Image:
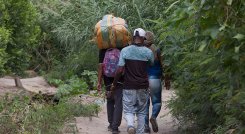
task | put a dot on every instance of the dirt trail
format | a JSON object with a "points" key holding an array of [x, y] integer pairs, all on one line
{"points": [[98, 125], [84, 125], [34, 85]]}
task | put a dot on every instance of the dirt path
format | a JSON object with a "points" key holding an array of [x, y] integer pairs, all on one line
{"points": [[98, 125], [35, 84], [84, 125]]}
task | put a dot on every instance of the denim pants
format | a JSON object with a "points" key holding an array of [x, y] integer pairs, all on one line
{"points": [[155, 88], [134, 103]]}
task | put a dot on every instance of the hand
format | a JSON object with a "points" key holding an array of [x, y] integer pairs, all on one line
{"points": [[99, 88], [112, 87]]}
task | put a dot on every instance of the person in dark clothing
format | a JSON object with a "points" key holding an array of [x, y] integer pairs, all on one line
{"points": [[114, 101]]}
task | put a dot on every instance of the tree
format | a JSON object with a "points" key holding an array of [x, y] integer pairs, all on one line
{"points": [[4, 38], [19, 31]]}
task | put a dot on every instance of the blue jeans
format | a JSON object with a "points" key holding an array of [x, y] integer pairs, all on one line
{"points": [[155, 87], [134, 103]]}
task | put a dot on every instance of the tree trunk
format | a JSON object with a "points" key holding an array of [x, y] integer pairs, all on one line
{"points": [[18, 82]]}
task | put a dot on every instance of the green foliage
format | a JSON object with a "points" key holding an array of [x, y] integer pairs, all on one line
{"points": [[55, 82], [70, 30], [70, 24], [18, 18], [72, 86], [4, 39], [91, 78], [22, 115], [202, 41], [204, 45]]}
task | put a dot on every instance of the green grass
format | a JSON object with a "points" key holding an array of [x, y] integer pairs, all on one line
{"points": [[19, 114]]}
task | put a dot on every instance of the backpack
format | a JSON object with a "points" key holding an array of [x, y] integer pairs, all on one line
{"points": [[110, 62]]}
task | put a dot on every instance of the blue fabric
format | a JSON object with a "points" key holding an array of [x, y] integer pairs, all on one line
{"points": [[154, 77], [134, 52], [156, 69], [134, 103], [155, 87]]}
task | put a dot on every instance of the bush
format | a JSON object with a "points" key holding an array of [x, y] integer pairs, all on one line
{"points": [[204, 43], [20, 114], [91, 78], [69, 87]]}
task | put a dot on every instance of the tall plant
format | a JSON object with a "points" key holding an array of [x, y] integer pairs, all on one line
{"points": [[70, 25], [204, 42]]}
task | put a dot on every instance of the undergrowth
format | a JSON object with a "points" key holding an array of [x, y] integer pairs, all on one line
{"points": [[73, 85], [21, 114]]}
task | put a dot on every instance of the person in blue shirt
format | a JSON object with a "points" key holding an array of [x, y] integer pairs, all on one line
{"points": [[155, 76]]}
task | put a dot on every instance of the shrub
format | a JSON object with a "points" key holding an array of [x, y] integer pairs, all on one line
{"points": [[204, 43], [20, 114]]}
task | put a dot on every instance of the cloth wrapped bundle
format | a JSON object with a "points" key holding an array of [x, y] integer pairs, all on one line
{"points": [[112, 32]]}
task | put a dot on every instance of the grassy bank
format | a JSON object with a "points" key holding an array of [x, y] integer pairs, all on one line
{"points": [[23, 114]]}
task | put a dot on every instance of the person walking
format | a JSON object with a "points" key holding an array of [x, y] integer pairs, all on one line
{"points": [[155, 76], [134, 61], [114, 101]]}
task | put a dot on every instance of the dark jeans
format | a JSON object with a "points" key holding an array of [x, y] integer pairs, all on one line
{"points": [[114, 107]]}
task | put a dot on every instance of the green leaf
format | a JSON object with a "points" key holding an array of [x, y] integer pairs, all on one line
{"points": [[154, 21], [237, 49], [203, 2], [239, 37], [171, 6], [222, 27], [212, 32], [229, 2], [203, 45], [206, 61]]}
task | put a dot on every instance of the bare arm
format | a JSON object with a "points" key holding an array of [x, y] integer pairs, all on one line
{"points": [[100, 73], [117, 77], [161, 58], [166, 78]]}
